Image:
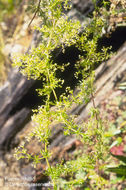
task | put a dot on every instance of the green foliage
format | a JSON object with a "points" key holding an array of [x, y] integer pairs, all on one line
{"points": [[118, 146], [58, 31], [120, 170]]}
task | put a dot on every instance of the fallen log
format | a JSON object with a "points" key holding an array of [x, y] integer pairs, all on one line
{"points": [[12, 93], [12, 127]]}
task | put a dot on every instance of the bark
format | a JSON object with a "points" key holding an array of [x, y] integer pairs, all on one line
{"points": [[12, 127], [12, 93]]}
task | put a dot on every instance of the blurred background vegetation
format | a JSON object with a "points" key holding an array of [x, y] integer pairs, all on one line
{"points": [[13, 15], [7, 10]]}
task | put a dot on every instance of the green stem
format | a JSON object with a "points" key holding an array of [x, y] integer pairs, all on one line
{"points": [[48, 164]]}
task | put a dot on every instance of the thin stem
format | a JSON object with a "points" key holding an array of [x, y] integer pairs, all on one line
{"points": [[50, 37], [52, 87], [93, 101], [48, 164], [55, 94], [35, 13]]}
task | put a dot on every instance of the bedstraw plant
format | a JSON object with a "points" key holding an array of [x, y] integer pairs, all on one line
{"points": [[58, 32]]}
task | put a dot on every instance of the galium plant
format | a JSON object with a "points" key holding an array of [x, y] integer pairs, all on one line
{"points": [[58, 31]]}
